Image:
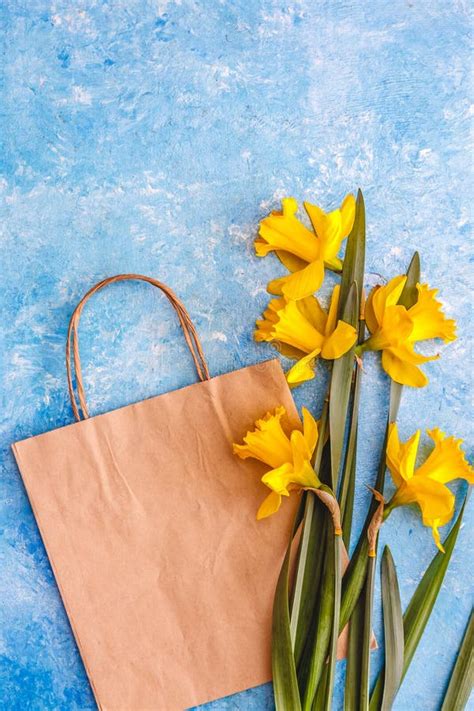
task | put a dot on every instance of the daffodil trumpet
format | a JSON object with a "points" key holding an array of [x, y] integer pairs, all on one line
{"points": [[303, 330], [303, 251], [395, 330], [290, 457], [425, 485]]}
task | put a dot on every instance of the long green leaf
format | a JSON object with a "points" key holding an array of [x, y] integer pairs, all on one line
{"points": [[323, 698], [462, 678], [354, 264], [349, 493], [329, 686], [310, 558], [354, 576], [393, 630], [340, 389], [354, 257], [285, 683], [409, 295], [318, 633], [352, 274], [319, 645], [354, 658], [367, 635], [320, 700], [304, 663], [347, 485], [419, 609]]}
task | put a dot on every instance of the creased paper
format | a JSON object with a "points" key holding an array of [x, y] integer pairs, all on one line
{"points": [[149, 522]]}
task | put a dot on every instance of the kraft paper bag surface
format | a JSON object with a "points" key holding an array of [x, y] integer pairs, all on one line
{"points": [[149, 522]]}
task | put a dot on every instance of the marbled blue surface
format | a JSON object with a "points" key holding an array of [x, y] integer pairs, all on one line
{"points": [[151, 136]]}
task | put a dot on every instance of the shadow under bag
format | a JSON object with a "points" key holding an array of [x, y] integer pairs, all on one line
{"points": [[149, 523]]}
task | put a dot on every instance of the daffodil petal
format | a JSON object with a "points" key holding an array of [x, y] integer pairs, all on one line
{"points": [[304, 282], [328, 229], [397, 323], [300, 449], [333, 227], [310, 430], [401, 457], [275, 286], [402, 372], [339, 342], [428, 317], [289, 351], [387, 295], [313, 312], [305, 477], [446, 461], [408, 452], [279, 478], [393, 454], [348, 208], [291, 261], [435, 500], [332, 313], [369, 315], [406, 353], [269, 506], [396, 327], [334, 263], [303, 370], [285, 322], [437, 538], [284, 232], [267, 442]]}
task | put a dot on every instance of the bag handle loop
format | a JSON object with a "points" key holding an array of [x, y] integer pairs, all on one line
{"points": [[187, 325]]}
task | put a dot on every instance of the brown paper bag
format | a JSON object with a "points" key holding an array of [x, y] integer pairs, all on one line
{"points": [[149, 523]]}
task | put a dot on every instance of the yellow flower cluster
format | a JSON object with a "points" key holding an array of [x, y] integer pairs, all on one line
{"points": [[300, 328], [296, 323]]}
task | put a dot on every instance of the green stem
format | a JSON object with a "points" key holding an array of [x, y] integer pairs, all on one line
{"points": [[462, 677], [335, 621], [323, 631], [354, 577], [420, 607], [285, 682], [353, 668], [308, 571], [367, 635], [347, 486], [302, 558]]}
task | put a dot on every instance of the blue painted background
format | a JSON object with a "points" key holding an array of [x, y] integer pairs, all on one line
{"points": [[152, 137]]}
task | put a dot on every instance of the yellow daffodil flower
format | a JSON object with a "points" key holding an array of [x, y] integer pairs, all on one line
{"points": [[426, 484], [302, 251], [303, 330], [395, 329], [289, 456]]}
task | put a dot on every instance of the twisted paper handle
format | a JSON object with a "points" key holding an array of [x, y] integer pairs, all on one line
{"points": [[187, 325]]}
